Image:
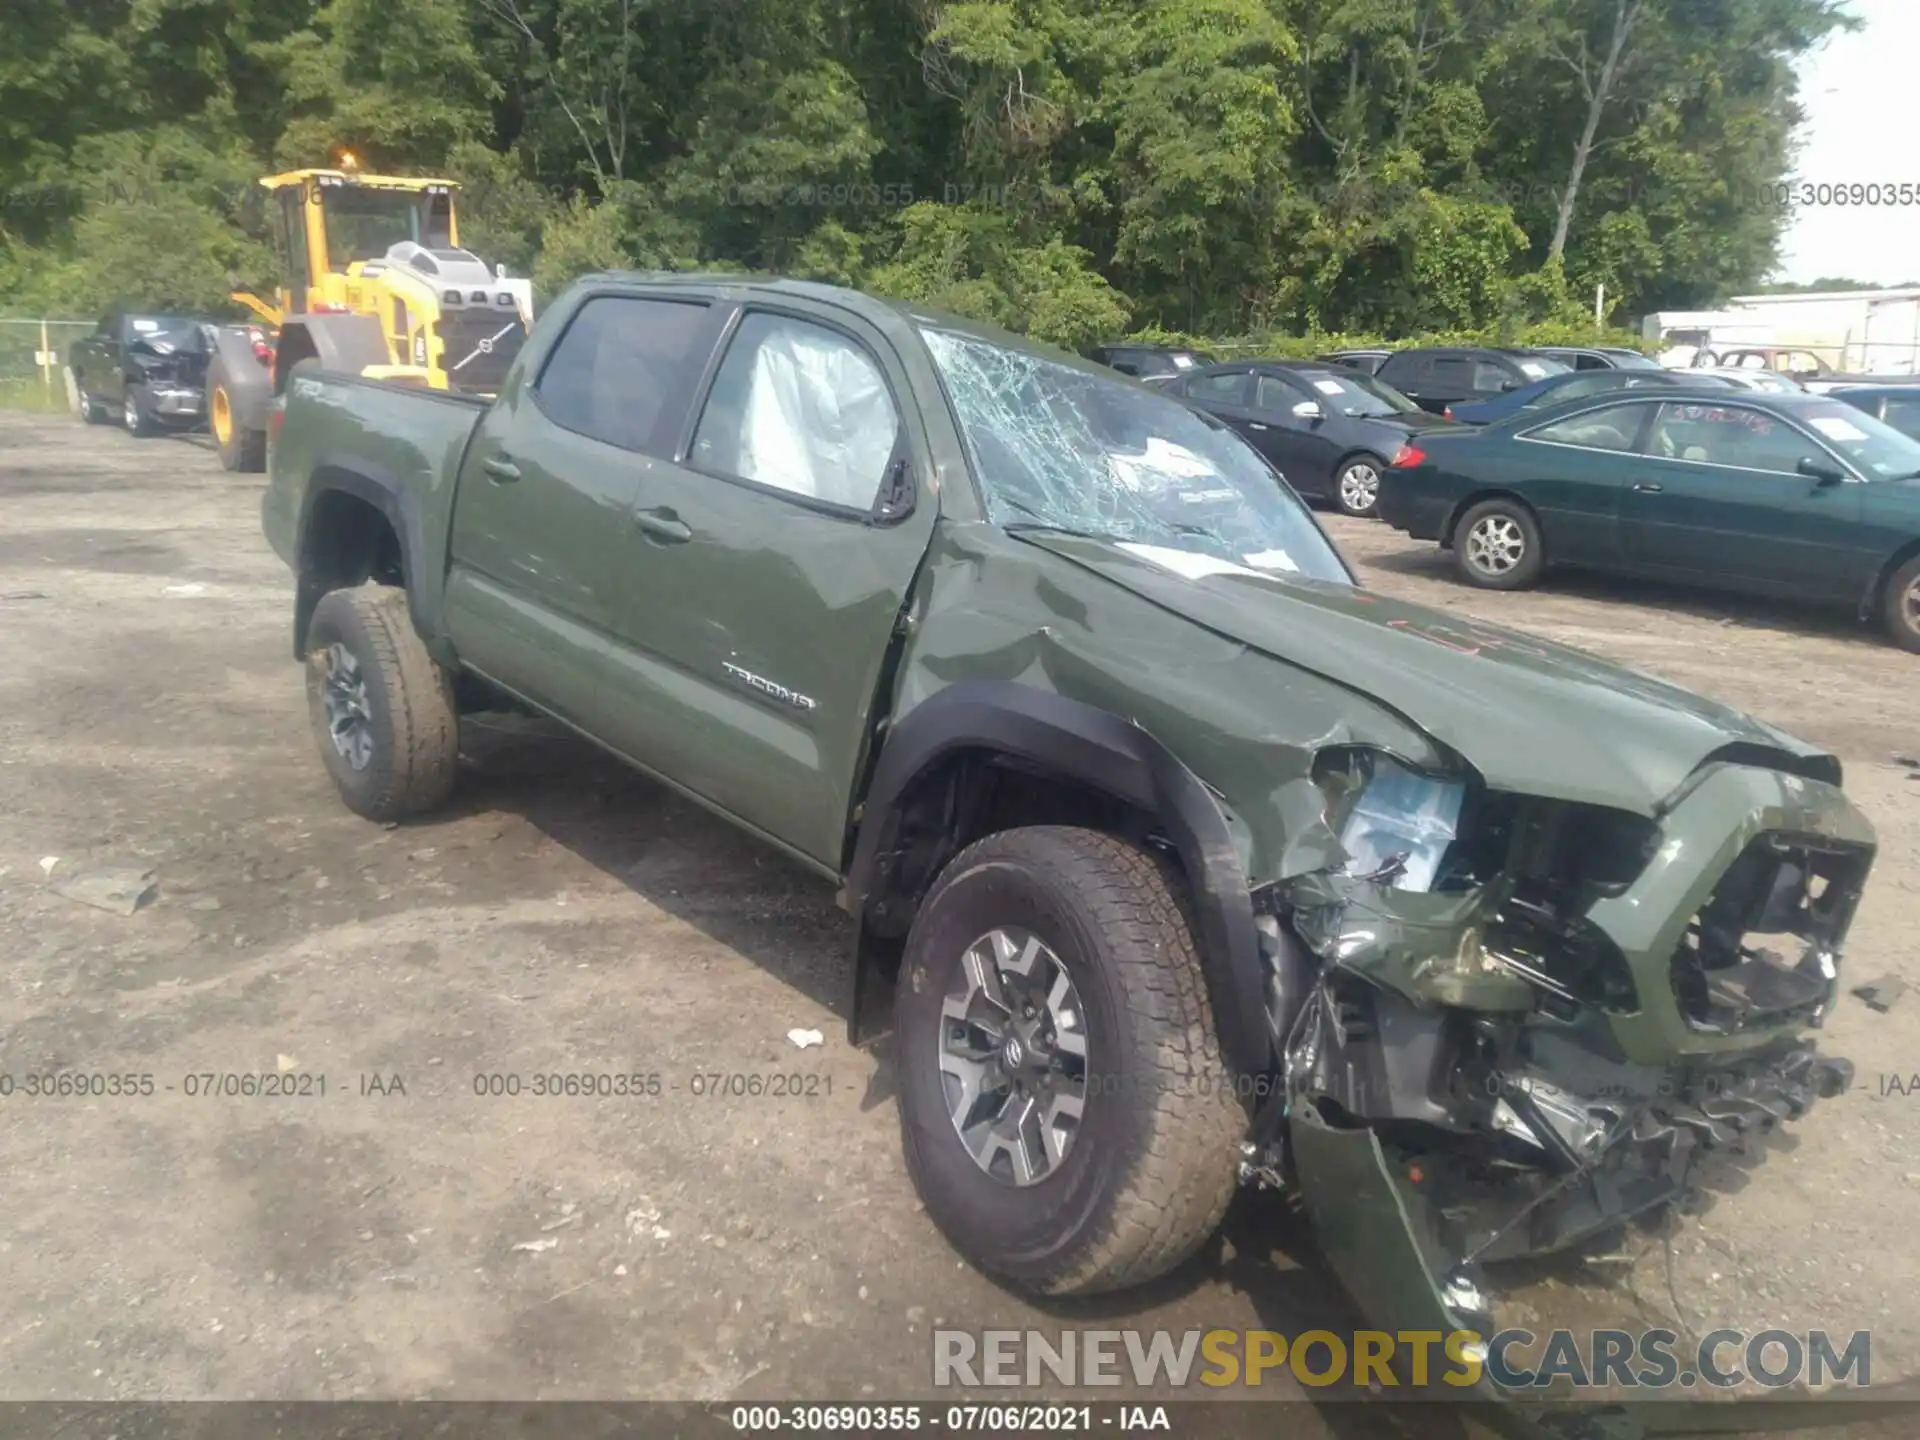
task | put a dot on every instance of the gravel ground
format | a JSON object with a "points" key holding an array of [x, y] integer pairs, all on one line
{"points": [[404, 1236]]}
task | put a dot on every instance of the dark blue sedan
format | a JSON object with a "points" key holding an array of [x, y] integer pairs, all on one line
{"points": [[1559, 389]]}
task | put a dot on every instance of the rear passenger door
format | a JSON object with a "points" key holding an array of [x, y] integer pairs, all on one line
{"points": [[763, 570], [539, 543]]}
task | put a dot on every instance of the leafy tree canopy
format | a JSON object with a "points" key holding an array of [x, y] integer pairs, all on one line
{"points": [[1313, 168]]}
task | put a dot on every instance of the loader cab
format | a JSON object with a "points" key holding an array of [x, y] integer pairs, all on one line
{"points": [[327, 222]]}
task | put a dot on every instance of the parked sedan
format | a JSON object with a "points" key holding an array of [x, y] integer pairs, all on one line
{"points": [[1150, 364], [1745, 377], [1328, 429], [1599, 357], [1560, 389], [148, 371], [1897, 405], [1369, 361], [1794, 495], [1438, 376]]}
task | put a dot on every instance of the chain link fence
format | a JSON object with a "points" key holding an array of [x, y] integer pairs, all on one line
{"points": [[33, 361]]}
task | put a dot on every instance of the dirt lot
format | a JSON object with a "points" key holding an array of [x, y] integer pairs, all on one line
{"points": [[403, 1236]]}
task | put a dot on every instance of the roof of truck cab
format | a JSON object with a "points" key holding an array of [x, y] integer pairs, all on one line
{"points": [[874, 308]]}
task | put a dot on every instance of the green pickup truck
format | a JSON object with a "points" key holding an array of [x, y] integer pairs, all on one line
{"points": [[1175, 859]]}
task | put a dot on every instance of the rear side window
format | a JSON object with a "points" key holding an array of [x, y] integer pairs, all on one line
{"points": [[1613, 427], [620, 361], [1227, 388]]}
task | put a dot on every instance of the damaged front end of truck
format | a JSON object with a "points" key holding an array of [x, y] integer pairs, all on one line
{"points": [[1510, 1024]]}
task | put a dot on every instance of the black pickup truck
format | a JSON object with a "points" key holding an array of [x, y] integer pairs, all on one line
{"points": [[1175, 859], [147, 371]]}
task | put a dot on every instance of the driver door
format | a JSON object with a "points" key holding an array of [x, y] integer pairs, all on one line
{"points": [[1299, 444], [1717, 492]]}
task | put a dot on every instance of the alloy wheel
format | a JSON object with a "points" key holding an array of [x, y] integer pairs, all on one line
{"points": [[1910, 607], [130, 413], [1359, 487], [1495, 545], [349, 714], [1013, 1056]]}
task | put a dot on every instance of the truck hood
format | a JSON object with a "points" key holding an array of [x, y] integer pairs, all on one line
{"points": [[1530, 716]]}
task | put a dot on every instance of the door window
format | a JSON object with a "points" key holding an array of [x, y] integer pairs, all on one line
{"points": [[1488, 376], [1613, 427], [1449, 374], [611, 373], [1731, 435], [800, 408], [1904, 415], [1226, 388], [1270, 392]]}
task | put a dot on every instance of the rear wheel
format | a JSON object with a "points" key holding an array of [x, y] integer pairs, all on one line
{"points": [[239, 449], [382, 708], [1356, 488], [90, 410], [1497, 546], [1065, 1112], [1900, 607]]}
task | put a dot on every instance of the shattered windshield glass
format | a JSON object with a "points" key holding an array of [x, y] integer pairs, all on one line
{"points": [[1060, 449]]}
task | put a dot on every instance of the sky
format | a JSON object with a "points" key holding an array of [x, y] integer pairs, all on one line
{"points": [[1856, 90]]}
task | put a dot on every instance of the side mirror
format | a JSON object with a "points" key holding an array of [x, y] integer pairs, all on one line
{"points": [[1821, 471], [1506, 385], [1309, 410]]}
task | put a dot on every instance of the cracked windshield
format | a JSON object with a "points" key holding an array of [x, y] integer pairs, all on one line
{"points": [[1058, 449]]}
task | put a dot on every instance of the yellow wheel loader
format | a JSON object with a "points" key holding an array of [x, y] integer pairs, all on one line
{"points": [[374, 283]]}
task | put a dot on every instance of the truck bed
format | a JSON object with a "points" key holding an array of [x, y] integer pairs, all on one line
{"points": [[410, 437]]}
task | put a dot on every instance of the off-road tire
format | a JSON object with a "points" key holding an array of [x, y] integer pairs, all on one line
{"points": [[1899, 616], [239, 449], [1153, 1165], [1524, 572], [414, 725]]}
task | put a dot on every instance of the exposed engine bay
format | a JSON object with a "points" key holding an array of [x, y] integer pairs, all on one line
{"points": [[1536, 1017]]}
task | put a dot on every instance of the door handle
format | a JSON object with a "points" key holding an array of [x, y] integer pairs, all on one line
{"points": [[1255, 425], [663, 525], [500, 469], [1648, 487]]}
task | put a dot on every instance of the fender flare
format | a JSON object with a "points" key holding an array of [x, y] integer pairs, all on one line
{"points": [[1100, 749], [382, 490]]}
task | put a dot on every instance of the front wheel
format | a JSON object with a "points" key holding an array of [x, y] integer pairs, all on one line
{"points": [[1900, 607], [382, 708], [239, 449], [1497, 546], [1356, 489], [134, 415], [1065, 1112]]}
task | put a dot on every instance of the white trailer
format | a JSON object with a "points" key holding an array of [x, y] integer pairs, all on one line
{"points": [[1872, 332]]}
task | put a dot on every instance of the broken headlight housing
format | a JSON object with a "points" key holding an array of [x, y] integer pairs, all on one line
{"points": [[1398, 825]]}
